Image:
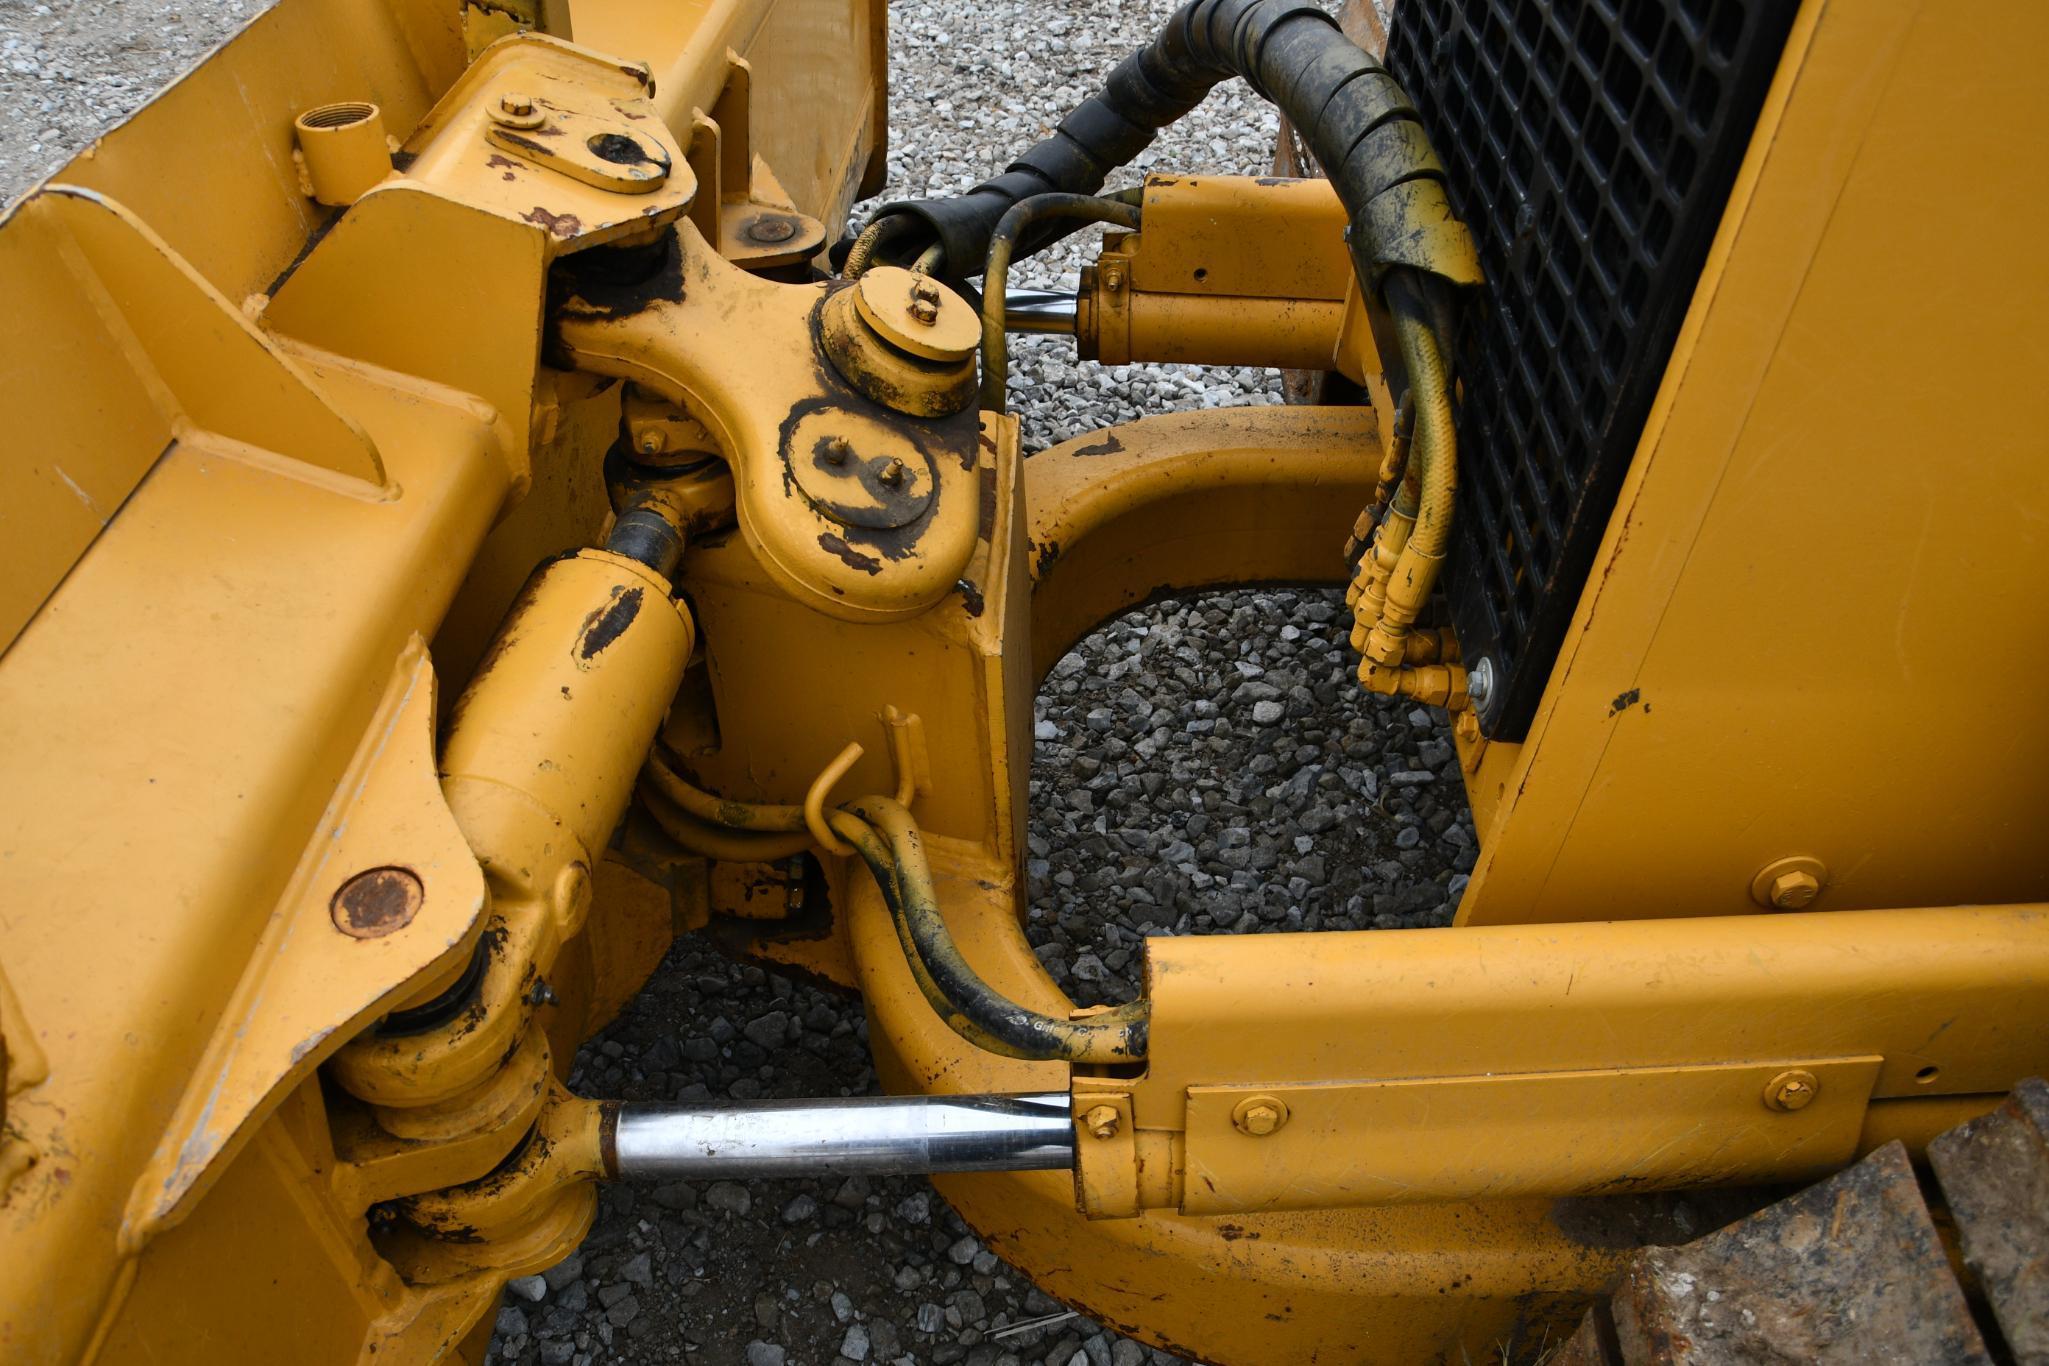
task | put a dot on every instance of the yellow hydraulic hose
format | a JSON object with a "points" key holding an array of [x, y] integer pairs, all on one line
{"points": [[1010, 229], [716, 841], [764, 817], [1435, 451]]}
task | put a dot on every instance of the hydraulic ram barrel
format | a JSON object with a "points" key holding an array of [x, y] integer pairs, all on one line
{"points": [[862, 1136]]}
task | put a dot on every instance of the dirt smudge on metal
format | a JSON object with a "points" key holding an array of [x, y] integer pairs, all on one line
{"points": [[607, 623], [1109, 445], [847, 555]]}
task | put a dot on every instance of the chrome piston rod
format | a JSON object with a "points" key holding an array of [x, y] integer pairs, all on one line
{"points": [[1039, 310], [861, 1136]]}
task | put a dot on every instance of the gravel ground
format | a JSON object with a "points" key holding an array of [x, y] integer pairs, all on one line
{"points": [[1206, 766], [71, 69]]}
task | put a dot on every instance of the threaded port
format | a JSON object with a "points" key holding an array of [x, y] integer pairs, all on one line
{"points": [[340, 115]]}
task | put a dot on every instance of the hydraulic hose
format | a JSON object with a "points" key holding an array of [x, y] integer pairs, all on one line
{"points": [[763, 817], [1117, 1035], [1019, 218], [717, 841], [1359, 123], [1367, 594], [1435, 453], [876, 236], [885, 837]]}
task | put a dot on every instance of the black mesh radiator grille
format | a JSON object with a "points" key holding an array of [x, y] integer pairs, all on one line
{"points": [[1590, 145]]}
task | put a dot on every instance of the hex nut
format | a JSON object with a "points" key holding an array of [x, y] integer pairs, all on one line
{"points": [[924, 304], [1258, 1116], [516, 109], [1794, 890], [1791, 1090], [1792, 883], [1102, 1121]]}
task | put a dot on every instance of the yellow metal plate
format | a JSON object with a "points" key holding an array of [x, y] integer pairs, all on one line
{"points": [[1551, 1133], [343, 943]]}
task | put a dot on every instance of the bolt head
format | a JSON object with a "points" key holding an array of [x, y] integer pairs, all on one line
{"points": [[652, 441], [1794, 890], [1789, 1091], [838, 451], [1480, 683], [893, 473], [516, 104], [770, 230], [924, 304], [1259, 1116], [1102, 1121]]}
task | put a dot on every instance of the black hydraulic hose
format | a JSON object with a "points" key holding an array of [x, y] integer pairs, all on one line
{"points": [[968, 1004], [886, 838], [1361, 126]]}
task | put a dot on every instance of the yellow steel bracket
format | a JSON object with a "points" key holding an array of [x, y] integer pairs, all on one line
{"points": [[1597, 1131], [387, 892], [527, 135], [603, 151], [170, 359], [741, 208], [1372, 1068], [538, 150]]}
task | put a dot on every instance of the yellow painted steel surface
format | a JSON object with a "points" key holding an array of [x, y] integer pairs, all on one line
{"points": [[1230, 270], [1572, 1059], [1843, 480], [266, 452], [1390, 1284], [212, 581]]}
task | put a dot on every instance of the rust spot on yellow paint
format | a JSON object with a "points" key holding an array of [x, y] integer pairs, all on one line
{"points": [[373, 904]]}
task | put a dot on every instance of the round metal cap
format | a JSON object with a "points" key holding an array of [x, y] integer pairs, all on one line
{"points": [[916, 313]]}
